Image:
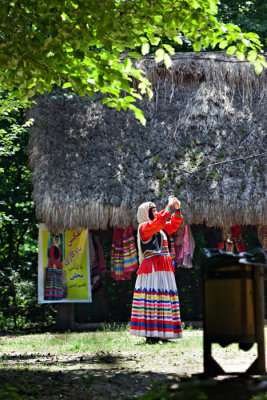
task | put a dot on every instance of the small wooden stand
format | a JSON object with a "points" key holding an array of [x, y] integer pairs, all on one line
{"points": [[246, 338]]}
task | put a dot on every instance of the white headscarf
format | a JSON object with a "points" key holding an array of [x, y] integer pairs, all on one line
{"points": [[142, 213], [142, 216]]}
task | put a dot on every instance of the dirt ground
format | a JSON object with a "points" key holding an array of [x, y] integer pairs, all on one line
{"points": [[127, 374]]}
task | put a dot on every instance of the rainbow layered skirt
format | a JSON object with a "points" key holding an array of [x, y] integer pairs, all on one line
{"points": [[156, 309]]}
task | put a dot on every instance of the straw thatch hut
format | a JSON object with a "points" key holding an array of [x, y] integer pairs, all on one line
{"points": [[204, 141]]}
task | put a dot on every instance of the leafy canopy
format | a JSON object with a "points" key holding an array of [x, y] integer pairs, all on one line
{"points": [[249, 15], [89, 45], [18, 225]]}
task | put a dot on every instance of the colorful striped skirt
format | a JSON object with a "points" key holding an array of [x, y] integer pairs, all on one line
{"points": [[53, 289], [156, 309]]}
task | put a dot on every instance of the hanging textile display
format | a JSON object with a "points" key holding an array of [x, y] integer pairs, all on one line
{"points": [[228, 245], [98, 264], [238, 239], [172, 251], [63, 266], [123, 254], [184, 246], [262, 236], [232, 240]]}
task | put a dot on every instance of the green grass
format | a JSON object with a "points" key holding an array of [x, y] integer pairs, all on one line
{"points": [[103, 361], [107, 340]]}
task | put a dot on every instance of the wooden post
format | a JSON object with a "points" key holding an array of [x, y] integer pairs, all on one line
{"points": [[65, 316], [258, 367], [211, 367]]}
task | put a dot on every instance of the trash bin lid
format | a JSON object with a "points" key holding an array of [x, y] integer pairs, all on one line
{"points": [[219, 258]]}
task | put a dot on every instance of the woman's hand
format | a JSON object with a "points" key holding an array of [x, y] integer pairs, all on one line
{"points": [[170, 199], [176, 203], [173, 201]]}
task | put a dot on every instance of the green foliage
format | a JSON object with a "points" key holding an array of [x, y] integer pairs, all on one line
{"points": [[251, 241], [159, 391], [115, 327], [8, 392], [176, 390], [249, 15], [88, 48], [88, 380], [261, 396], [213, 175], [18, 233]]}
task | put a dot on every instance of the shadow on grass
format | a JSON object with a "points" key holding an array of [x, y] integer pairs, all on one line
{"points": [[98, 358], [24, 384], [121, 384], [80, 384], [198, 387]]}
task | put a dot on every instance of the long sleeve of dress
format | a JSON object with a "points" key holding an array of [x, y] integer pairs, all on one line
{"points": [[148, 229], [173, 225]]}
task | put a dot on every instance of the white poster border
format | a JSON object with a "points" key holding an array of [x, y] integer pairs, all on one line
{"points": [[43, 227]]}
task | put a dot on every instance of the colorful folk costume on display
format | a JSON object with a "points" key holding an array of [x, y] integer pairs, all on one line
{"points": [[155, 309], [53, 289], [184, 246], [123, 254], [97, 261], [238, 238], [234, 243]]}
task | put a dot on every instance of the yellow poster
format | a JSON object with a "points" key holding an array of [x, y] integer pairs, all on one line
{"points": [[63, 266]]}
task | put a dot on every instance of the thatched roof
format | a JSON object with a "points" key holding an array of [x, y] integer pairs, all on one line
{"points": [[205, 141]]}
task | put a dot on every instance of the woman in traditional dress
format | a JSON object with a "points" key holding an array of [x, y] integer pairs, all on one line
{"points": [[54, 270], [155, 309]]}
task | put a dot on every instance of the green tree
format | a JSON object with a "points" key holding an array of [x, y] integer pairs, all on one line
{"points": [[18, 225], [249, 15], [88, 45]]}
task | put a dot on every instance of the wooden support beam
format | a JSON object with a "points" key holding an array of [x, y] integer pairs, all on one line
{"points": [[65, 316], [259, 364]]}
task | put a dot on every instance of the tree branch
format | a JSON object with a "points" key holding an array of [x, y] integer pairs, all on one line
{"points": [[237, 159]]}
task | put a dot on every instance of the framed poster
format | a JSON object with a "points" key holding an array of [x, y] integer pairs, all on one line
{"points": [[63, 267]]}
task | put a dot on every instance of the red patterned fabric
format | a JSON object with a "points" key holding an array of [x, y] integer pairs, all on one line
{"points": [[236, 232]]}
